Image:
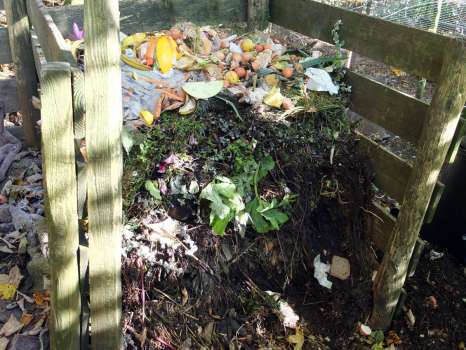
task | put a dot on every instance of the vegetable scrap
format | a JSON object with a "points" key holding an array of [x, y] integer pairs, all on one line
{"points": [[172, 69]]}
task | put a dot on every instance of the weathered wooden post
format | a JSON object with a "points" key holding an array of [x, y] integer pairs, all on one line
{"points": [[439, 128], [258, 14], [105, 167], [58, 154], [21, 53]]}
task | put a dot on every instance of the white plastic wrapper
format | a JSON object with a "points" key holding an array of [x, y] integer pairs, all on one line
{"points": [[287, 315], [141, 95], [320, 80], [234, 48], [320, 272]]}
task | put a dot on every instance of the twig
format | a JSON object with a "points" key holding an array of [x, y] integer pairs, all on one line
{"points": [[232, 106], [372, 213], [163, 342], [241, 254]]}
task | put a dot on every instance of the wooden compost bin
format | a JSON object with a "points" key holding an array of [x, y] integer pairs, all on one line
{"points": [[429, 127]]}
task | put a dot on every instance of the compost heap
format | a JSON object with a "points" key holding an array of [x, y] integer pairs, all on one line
{"points": [[241, 182]]}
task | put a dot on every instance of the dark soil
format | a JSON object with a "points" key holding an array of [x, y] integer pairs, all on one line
{"points": [[440, 324], [223, 291]]}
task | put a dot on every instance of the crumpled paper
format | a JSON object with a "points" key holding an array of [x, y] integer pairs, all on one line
{"points": [[320, 80], [286, 313], [320, 272]]}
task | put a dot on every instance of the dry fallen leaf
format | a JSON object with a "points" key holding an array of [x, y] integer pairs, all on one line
{"points": [[40, 297], [297, 339], [11, 326], [6, 250], [15, 276], [20, 303], [397, 72], [184, 296], [26, 319], [3, 343], [4, 278], [27, 298], [37, 327], [7, 291]]}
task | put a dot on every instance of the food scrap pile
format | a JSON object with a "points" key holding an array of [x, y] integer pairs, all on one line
{"points": [[240, 173], [171, 70]]}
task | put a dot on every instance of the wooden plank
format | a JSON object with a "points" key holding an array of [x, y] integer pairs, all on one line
{"points": [[52, 42], [391, 171], [39, 59], [26, 79], [104, 122], [395, 111], [8, 94], [413, 50], [149, 15], [381, 225], [460, 133], [441, 122], [434, 201], [61, 204], [5, 51]]}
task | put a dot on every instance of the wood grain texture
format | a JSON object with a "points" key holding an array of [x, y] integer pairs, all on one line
{"points": [[395, 111], [52, 42], [391, 176], [104, 122], [457, 139], [5, 51], [391, 171], [26, 80], [413, 50], [441, 122], [61, 205], [380, 226], [149, 15], [258, 14]]}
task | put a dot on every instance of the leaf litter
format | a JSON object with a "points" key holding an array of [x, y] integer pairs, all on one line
{"points": [[23, 248]]}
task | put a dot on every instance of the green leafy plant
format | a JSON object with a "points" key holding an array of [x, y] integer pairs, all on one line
{"points": [[227, 196], [338, 42], [226, 203], [376, 339], [153, 190], [265, 215]]}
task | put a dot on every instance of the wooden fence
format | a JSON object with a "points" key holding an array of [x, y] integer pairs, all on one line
{"points": [[66, 120]]}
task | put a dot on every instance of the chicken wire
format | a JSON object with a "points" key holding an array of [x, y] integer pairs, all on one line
{"points": [[446, 17]]}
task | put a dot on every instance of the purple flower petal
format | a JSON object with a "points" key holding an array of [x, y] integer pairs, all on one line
{"points": [[171, 159], [77, 33]]}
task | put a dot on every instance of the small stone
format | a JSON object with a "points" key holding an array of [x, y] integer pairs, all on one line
{"points": [[340, 268]]}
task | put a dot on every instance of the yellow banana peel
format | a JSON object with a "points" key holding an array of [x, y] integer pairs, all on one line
{"points": [[133, 40], [134, 64], [166, 53]]}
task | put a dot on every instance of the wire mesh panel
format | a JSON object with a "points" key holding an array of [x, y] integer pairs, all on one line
{"points": [[447, 17]]}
